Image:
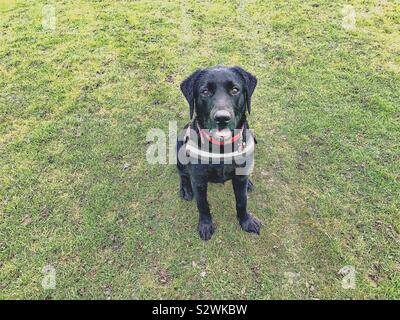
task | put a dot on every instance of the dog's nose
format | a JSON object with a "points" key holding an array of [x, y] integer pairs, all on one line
{"points": [[222, 116]]}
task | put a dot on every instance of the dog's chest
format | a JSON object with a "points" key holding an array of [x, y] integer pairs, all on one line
{"points": [[220, 173]]}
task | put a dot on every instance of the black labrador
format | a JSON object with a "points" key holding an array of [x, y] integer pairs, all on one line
{"points": [[219, 97]]}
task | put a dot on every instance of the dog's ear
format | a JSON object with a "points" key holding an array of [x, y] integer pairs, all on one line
{"points": [[187, 88], [250, 83]]}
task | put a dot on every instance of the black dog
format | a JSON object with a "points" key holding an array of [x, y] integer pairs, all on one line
{"points": [[218, 96]]}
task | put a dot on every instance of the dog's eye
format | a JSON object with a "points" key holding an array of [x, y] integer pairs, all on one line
{"points": [[205, 92], [235, 91]]}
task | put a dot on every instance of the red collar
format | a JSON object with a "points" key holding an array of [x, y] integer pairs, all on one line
{"points": [[204, 134]]}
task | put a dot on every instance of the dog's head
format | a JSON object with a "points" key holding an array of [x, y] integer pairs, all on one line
{"points": [[219, 96]]}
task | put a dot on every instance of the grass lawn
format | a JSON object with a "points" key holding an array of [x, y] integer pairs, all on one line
{"points": [[78, 97]]}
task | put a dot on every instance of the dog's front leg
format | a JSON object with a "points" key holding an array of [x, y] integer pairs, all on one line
{"points": [[247, 222], [205, 226]]}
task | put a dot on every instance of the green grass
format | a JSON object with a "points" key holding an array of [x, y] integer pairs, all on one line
{"points": [[77, 193]]}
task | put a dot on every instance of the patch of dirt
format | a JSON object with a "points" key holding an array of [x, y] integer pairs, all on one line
{"points": [[374, 274], [163, 277], [45, 212], [256, 270], [169, 79], [82, 291], [26, 220], [107, 290], [94, 271]]}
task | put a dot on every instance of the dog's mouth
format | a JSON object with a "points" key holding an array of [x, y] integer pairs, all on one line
{"points": [[221, 134]]}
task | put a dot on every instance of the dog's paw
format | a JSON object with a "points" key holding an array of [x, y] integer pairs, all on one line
{"points": [[186, 192], [249, 224], [250, 186], [206, 230]]}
